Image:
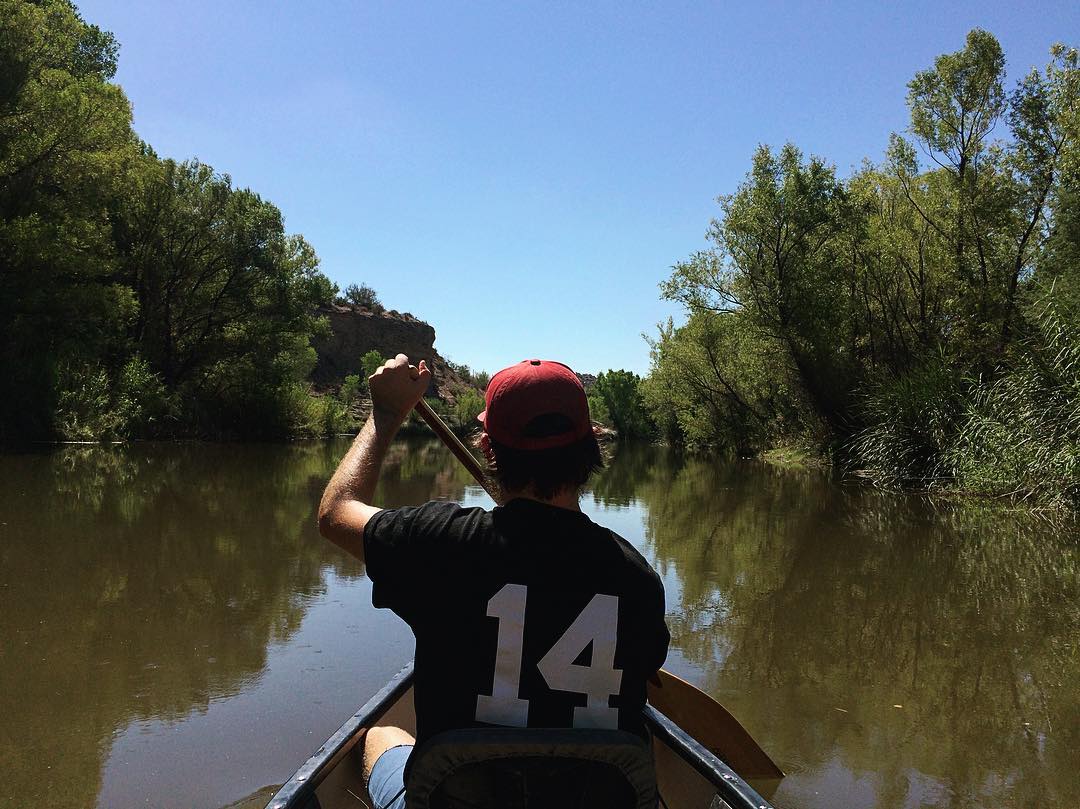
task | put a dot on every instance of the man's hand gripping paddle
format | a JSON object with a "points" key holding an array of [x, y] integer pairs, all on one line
{"points": [[709, 722]]}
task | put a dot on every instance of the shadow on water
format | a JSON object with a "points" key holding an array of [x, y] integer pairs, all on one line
{"points": [[146, 582]]}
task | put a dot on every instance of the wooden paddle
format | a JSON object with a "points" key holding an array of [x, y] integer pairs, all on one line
{"points": [[709, 722]]}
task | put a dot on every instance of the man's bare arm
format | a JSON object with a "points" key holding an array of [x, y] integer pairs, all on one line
{"points": [[346, 504]]}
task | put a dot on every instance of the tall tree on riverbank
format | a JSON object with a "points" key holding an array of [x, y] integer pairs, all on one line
{"points": [[65, 138], [137, 295], [225, 297], [1057, 266], [888, 301], [776, 261], [618, 395]]}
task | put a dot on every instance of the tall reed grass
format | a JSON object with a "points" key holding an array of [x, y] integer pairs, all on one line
{"points": [[1016, 436], [1020, 434]]}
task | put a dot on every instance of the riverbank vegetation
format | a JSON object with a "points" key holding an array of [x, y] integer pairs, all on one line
{"points": [[918, 321], [616, 401], [138, 295]]}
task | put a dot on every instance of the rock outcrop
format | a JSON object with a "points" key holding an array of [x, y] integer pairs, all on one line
{"points": [[354, 331]]}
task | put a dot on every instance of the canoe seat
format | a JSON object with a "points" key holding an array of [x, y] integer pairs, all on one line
{"points": [[532, 768]]}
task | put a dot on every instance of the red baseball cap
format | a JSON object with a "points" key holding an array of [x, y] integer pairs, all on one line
{"points": [[532, 388]]}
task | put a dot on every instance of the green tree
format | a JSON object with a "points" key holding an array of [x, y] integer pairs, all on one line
{"points": [[1057, 272], [468, 405], [226, 299], [775, 256], [987, 203], [717, 381], [620, 391], [365, 296], [350, 387], [886, 314], [371, 362], [136, 294], [65, 137]]}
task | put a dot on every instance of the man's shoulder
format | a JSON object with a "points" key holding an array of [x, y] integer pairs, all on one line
{"points": [[435, 525], [622, 563], [433, 514], [410, 543]]}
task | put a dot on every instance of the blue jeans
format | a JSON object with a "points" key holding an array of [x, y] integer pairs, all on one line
{"points": [[387, 784]]}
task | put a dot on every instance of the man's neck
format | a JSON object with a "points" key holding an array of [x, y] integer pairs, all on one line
{"points": [[565, 498]]}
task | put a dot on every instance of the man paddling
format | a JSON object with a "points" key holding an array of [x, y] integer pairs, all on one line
{"points": [[529, 615]]}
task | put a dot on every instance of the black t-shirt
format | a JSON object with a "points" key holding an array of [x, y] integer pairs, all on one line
{"points": [[528, 615]]}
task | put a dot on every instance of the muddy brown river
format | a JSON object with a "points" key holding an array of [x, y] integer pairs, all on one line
{"points": [[174, 632]]}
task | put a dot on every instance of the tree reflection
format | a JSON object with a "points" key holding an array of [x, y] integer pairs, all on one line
{"points": [[814, 608], [419, 469], [142, 583]]}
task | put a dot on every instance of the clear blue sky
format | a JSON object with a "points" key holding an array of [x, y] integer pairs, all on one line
{"points": [[523, 175]]}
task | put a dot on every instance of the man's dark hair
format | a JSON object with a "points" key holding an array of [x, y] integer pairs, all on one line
{"points": [[545, 472]]}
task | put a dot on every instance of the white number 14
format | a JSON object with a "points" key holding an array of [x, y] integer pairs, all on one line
{"points": [[597, 624]]}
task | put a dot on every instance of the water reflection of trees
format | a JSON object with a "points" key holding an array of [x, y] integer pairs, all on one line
{"points": [[419, 469], [146, 581], [142, 583], [799, 598]]}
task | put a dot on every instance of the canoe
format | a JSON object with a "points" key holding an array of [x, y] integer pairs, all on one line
{"points": [[688, 775]]}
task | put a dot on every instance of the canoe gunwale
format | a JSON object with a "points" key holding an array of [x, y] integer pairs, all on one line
{"points": [[311, 773], [730, 786], [735, 791]]}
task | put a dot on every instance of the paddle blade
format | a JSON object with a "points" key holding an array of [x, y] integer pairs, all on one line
{"points": [[713, 726]]}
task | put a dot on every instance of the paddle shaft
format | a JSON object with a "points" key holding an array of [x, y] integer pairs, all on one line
{"points": [[453, 443], [716, 728]]}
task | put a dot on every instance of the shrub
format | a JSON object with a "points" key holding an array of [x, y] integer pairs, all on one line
{"points": [[620, 393], [371, 362], [332, 414], [350, 387], [141, 398], [327, 415], [477, 379], [363, 295], [1020, 435], [91, 406], [911, 422], [467, 407], [83, 404], [438, 406]]}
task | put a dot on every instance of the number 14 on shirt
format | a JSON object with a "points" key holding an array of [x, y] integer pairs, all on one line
{"points": [[596, 624]]}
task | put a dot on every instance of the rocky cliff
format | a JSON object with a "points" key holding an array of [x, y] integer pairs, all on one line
{"points": [[354, 331]]}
